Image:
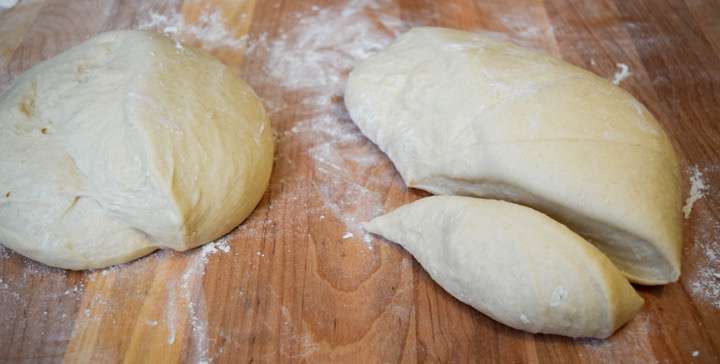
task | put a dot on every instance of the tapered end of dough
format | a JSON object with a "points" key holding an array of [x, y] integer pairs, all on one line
{"points": [[625, 301], [372, 226], [392, 227], [377, 225]]}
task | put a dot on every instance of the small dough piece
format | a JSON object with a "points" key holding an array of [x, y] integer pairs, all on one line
{"points": [[466, 114], [513, 264], [125, 144]]}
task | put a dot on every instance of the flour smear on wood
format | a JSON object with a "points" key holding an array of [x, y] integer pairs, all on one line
{"points": [[702, 279]]}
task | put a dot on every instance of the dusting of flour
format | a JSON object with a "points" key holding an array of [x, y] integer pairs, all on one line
{"points": [[209, 30], [56, 292], [634, 336], [312, 58], [705, 282], [697, 190], [190, 294], [702, 279]]}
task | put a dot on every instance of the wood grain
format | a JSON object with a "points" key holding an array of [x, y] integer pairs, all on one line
{"points": [[291, 288]]}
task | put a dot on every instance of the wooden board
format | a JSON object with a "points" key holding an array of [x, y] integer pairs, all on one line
{"points": [[299, 281]]}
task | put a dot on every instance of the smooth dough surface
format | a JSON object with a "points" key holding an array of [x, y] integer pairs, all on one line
{"points": [[513, 264], [125, 144], [463, 113]]}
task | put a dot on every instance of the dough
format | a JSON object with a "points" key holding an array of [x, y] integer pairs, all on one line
{"points": [[462, 113], [125, 144], [513, 264]]}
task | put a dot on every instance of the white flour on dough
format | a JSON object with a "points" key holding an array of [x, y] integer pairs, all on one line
{"points": [[622, 73]]}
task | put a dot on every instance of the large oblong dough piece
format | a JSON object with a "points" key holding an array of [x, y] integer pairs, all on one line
{"points": [[464, 113], [513, 264], [125, 144]]}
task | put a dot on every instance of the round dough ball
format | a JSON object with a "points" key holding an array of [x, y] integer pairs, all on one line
{"points": [[467, 114], [125, 144], [513, 264]]}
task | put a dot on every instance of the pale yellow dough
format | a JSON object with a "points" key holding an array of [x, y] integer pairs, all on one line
{"points": [[467, 114], [513, 264], [125, 144]]}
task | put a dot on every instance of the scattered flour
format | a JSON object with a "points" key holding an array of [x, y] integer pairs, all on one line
{"points": [[209, 29], [631, 344], [33, 290], [54, 290], [702, 278], [318, 51], [705, 279], [524, 24], [171, 313], [698, 187], [622, 73], [186, 298], [312, 58]]}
